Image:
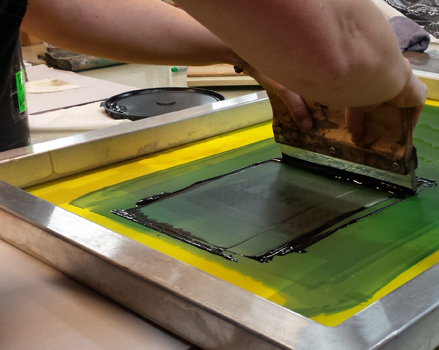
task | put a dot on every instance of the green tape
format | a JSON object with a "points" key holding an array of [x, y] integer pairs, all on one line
{"points": [[21, 90]]}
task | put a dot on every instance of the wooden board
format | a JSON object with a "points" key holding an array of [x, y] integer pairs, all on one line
{"points": [[216, 70], [217, 75]]}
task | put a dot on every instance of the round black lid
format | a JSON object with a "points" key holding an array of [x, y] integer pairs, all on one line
{"points": [[140, 104]]}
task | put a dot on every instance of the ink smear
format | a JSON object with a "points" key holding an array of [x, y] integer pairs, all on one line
{"points": [[258, 212]]}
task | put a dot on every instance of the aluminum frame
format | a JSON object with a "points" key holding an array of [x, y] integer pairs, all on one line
{"points": [[201, 308], [51, 160]]}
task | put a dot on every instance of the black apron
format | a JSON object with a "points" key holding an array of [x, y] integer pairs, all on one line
{"points": [[14, 127]]}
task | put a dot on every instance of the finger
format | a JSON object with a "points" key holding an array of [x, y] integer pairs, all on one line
{"points": [[416, 115], [355, 122], [297, 107], [413, 94], [421, 89]]}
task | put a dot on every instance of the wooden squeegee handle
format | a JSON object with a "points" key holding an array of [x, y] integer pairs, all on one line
{"points": [[387, 144]]}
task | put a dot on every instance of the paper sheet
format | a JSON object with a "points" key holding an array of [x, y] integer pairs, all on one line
{"points": [[79, 118], [91, 90], [49, 85]]}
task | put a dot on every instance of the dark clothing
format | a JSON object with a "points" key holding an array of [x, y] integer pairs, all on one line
{"points": [[14, 128], [411, 37], [11, 14]]}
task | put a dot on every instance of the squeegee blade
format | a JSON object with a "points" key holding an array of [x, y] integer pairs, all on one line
{"points": [[316, 160]]}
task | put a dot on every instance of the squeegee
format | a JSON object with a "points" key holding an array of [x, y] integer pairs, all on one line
{"points": [[385, 158]]}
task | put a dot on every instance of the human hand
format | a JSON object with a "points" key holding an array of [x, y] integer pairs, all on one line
{"points": [[296, 106], [412, 95]]}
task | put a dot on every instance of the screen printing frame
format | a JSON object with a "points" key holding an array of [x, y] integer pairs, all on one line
{"points": [[201, 308]]}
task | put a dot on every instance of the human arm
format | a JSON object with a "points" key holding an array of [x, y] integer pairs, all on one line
{"points": [[335, 51], [146, 31], [135, 31], [412, 95]]}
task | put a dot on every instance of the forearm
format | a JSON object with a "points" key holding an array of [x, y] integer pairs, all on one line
{"points": [[135, 31], [336, 51]]}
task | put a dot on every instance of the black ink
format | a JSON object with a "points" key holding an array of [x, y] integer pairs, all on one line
{"points": [[288, 208]]}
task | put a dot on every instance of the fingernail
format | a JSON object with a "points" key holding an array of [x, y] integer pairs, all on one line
{"points": [[306, 124]]}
